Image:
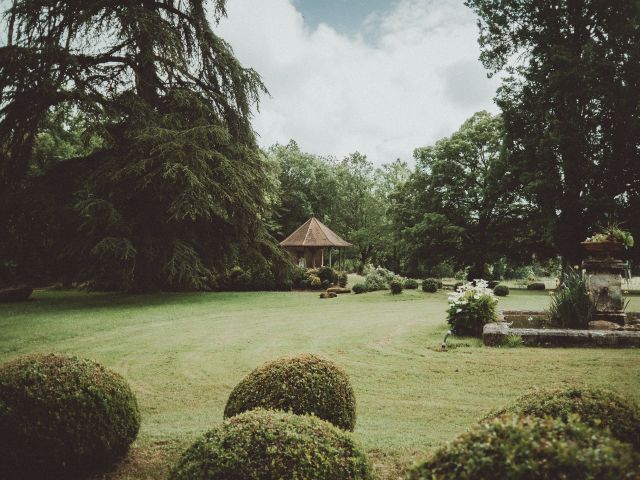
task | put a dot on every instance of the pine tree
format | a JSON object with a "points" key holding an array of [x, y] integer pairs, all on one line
{"points": [[176, 189]]}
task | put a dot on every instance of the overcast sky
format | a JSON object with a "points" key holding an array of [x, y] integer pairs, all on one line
{"points": [[378, 76]]}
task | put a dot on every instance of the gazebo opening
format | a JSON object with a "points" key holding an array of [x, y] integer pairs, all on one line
{"points": [[308, 243]]}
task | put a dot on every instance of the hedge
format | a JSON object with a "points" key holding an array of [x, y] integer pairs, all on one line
{"points": [[61, 415], [302, 384], [270, 445]]}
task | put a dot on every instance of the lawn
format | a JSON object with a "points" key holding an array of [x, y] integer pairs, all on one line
{"points": [[183, 353]]}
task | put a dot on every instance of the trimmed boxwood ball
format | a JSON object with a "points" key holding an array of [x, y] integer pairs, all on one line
{"points": [[270, 445], [359, 288], [501, 290], [516, 448], [302, 384], [430, 285], [596, 407], [61, 416], [395, 286], [410, 284]]}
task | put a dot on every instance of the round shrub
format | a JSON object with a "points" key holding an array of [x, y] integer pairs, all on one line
{"points": [[62, 415], [342, 279], [395, 286], [536, 286], [302, 384], [410, 284], [315, 282], [501, 290], [430, 285], [526, 448], [273, 445], [492, 283], [328, 274], [595, 407], [359, 288]]}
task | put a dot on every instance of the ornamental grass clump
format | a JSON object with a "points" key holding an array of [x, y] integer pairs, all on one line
{"points": [[270, 445], [302, 384], [598, 408], [471, 307], [62, 416], [571, 305], [524, 448]]}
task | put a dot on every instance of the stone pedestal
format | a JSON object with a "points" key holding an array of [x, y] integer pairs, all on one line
{"points": [[604, 284]]}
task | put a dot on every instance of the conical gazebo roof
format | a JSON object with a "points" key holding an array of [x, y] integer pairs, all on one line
{"points": [[314, 233]]}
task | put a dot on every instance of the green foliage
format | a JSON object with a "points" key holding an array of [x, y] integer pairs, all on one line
{"points": [[269, 445], [571, 305], [430, 285], [471, 308], [315, 278], [513, 341], [395, 286], [378, 278], [328, 274], [581, 68], [613, 233], [459, 207], [359, 288], [342, 279], [62, 415], [492, 283], [410, 284], [528, 447], [170, 189], [301, 384], [501, 290], [598, 408]]}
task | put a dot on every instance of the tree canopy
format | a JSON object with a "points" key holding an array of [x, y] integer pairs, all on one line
{"points": [[174, 187], [570, 101]]}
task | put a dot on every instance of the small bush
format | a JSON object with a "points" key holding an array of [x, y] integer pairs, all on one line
{"points": [[501, 290], [536, 286], [378, 278], [395, 286], [326, 284], [528, 448], [471, 308], [61, 415], [302, 384], [315, 282], [596, 407], [359, 288], [410, 284], [269, 445], [492, 284], [430, 285], [328, 274], [571, 306], [342, 279]]}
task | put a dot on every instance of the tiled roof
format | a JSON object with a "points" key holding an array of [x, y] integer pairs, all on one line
{"points": [[314, 233]]}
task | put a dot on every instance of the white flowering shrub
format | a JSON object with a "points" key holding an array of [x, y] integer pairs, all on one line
{"points": [[379, 278], [471, 307]]}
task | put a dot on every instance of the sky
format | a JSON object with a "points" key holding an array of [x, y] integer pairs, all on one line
{"points": [[374, 76]]}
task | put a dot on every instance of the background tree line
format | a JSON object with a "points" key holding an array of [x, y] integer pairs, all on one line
{"points": [[131, 164]]}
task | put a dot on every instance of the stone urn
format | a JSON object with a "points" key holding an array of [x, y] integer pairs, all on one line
{"points": [[603, 275], [604, 249]]}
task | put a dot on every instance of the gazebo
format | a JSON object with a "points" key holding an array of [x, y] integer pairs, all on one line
{"points": [[307, 244]]}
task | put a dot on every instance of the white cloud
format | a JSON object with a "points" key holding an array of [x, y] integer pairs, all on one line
{"points": [[414, 79]]}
